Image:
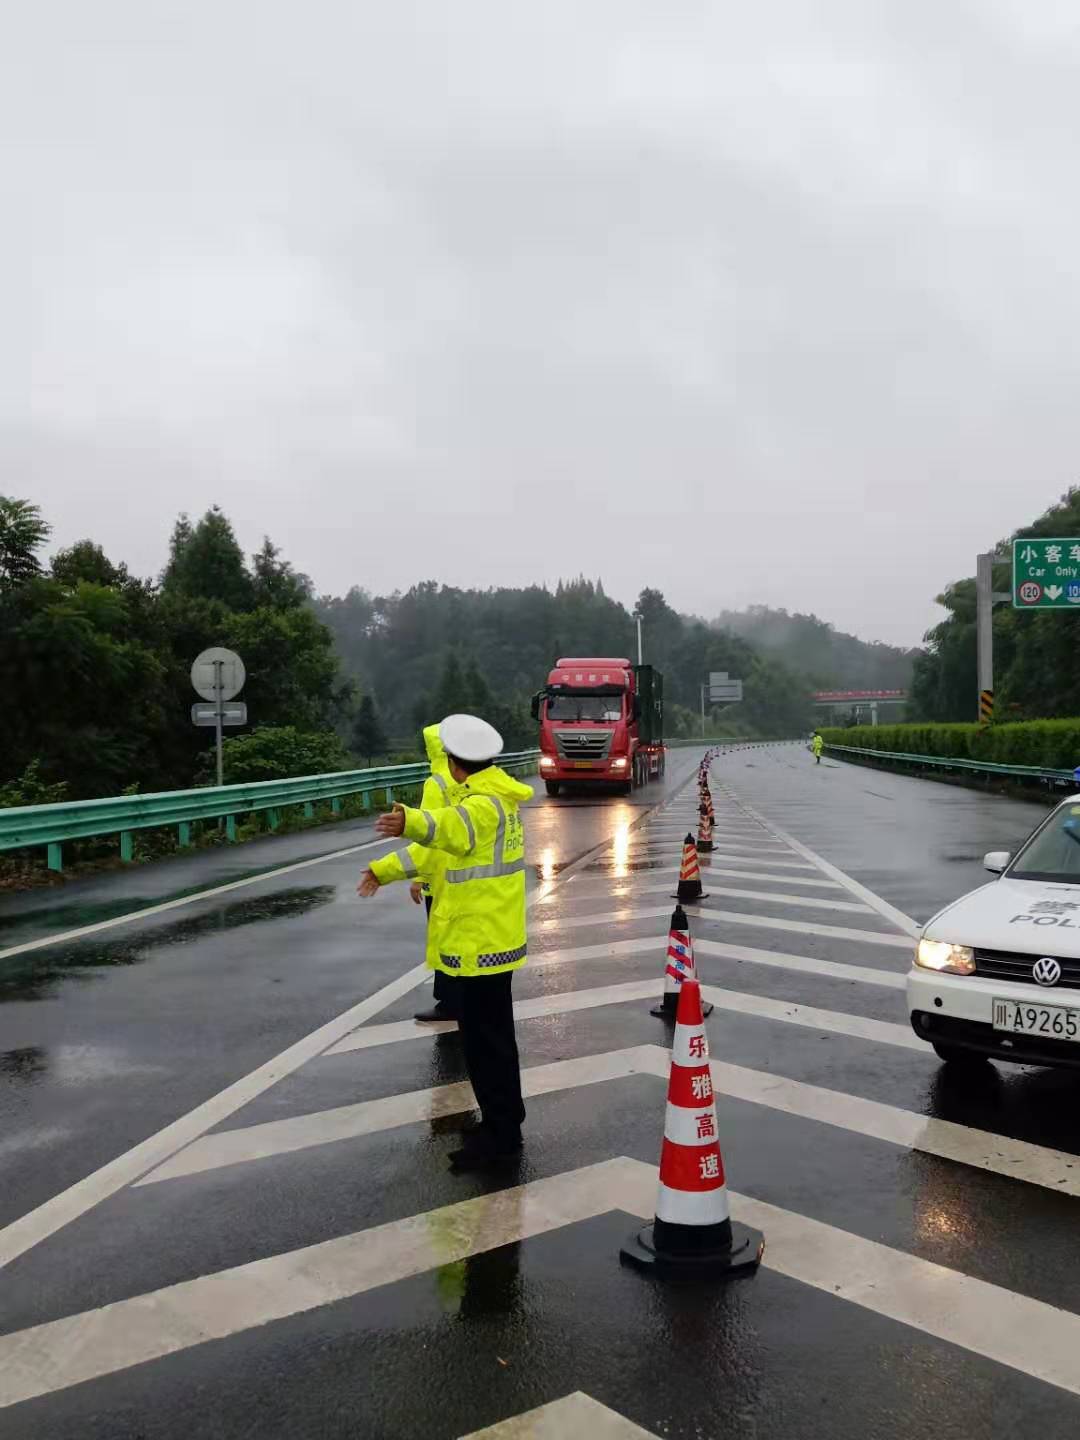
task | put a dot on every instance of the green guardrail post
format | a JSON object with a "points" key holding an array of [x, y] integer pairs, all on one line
{"points": [[127, 846], [389, 794], [309, 810], [272, 819], [335, 804], [56, 857], [184, 834], [230, 829]]}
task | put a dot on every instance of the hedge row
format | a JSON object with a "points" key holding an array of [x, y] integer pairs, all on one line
{"points": [[1054, 744]]}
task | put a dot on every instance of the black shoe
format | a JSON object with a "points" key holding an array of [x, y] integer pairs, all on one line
{"points": [[437, 1012], [481, 1152]]}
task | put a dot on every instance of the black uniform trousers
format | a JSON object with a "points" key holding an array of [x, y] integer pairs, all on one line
{"points": [[486, 1023]]}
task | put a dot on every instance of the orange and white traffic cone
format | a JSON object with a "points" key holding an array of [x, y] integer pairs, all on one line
{"points": [[693, 1233], [678, 966], [689, 887], [704, 834]]}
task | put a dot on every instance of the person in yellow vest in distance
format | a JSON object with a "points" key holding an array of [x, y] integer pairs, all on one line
{"points": [[436, 790], [476, 931], [817, 745]]}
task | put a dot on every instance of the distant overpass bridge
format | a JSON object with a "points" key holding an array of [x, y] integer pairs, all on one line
{"points": [[859, 700]]}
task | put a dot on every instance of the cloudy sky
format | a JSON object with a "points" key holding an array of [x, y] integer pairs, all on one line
{"points": [[758, 304]]}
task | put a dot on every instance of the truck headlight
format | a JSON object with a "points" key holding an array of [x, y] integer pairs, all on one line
{"points": [[546, 762], [619, 764], [940, 955]]}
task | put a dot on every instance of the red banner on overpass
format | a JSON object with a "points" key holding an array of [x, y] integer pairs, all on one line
{"points": [[839, 697]]}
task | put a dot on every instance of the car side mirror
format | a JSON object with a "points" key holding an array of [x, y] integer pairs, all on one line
{"points": [[996, 861], [535, 707]]}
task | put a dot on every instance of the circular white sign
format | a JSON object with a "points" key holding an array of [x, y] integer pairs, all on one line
{"points": [[216, 667]]}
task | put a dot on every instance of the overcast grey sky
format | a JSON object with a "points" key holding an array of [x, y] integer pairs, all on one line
{"points": [[775, 303]]}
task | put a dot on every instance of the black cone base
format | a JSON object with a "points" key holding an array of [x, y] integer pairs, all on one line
{"points": [[742, 1257], [686, 899], [669, 1005]]}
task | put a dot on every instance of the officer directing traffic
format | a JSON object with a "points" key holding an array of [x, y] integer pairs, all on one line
{"points": [[476, 931]]}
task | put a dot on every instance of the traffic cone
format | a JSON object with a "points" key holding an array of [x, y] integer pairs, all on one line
{"points": [[693, 1233], [689, 888], [704, 834], [678, 966]]}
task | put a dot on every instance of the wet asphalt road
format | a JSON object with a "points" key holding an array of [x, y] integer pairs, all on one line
{"points": [[461, 1318]]}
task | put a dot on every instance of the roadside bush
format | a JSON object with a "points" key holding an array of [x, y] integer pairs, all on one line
{"points": [[31, 788], [1054, 744], [276, 752]]}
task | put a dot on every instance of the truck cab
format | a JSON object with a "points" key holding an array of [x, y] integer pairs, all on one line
{"points": [[601, 722]]}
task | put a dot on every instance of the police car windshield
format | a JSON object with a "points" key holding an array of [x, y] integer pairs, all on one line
{"points": [[1054, 852], [584, 707]]}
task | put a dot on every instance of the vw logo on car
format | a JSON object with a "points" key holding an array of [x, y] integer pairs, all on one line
{"points": [[1046, 971]]}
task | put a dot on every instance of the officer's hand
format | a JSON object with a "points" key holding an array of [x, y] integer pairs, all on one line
{"points": [[416, 892], [368, 884], [393, 824]]}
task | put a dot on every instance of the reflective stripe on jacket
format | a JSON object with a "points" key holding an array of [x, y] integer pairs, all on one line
{"points": [[477, 924], [435, 795]]}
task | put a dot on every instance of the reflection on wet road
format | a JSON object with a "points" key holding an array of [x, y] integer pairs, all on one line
{"points": [[920, 1221]]}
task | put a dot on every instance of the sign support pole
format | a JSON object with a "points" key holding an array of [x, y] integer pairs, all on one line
{"points": [[984, 627], [219, 700], [703, 712]]}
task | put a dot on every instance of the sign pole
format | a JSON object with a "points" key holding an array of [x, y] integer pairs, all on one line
{"points": [[219, 700], [984, 626]]}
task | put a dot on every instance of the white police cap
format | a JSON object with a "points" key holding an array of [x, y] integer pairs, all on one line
{"points": [[467, 737]]}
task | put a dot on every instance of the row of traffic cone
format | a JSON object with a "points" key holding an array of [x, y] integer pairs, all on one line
{"points": [[692, 1234]]}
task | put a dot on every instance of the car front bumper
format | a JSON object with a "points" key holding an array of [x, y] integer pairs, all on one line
{"points": [[958, 1010]]}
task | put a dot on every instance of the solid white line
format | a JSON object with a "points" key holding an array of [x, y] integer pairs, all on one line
{"points": [[760, 1006], [368, 1117], [531, 1009], [733, 855], [1027, 1335], [803, 964], [981, 1149], [574, 1417], [639, 883], [890, 912], [36, 1225], [64, 936], [773, 897], [77, 1348], [621, 916]]}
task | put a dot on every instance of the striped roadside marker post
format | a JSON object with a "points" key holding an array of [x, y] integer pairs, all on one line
{"points": [[689, 888], [693, 1233], [678, 966]]}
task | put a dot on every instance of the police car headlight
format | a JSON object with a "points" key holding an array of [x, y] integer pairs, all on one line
{"points": [[940, 955]]}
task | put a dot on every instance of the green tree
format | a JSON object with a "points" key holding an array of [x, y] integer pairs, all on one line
{"points": [[452, 694], [206, 562], [85, 561], [368, 736], [276, 583], [22, 534], [276, 753]]}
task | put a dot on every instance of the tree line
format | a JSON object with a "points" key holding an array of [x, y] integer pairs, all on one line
{"points": [[1036, 653], [98, 662]]}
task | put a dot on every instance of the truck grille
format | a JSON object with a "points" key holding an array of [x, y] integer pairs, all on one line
{"points": [[1014, 966], [584, 744]]}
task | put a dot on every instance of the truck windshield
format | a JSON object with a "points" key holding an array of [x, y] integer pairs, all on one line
{"points": [[1052, 853], [584, 707]]}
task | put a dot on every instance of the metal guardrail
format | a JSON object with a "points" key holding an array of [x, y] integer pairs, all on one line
{"points": [[956, 762], [26, 826]]}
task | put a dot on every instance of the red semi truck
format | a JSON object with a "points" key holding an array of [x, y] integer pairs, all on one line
{"points": [[601, 720]]}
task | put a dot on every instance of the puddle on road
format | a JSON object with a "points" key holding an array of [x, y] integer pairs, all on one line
{"points": [[34, 976], [624, 866]]}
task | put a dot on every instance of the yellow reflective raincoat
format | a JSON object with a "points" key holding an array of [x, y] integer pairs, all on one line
{"points": [[437, 788], [477, 924], [817, 745]]}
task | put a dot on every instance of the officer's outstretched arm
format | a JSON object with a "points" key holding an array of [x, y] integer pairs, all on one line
{"points": [[412, 863], [456, 829]]}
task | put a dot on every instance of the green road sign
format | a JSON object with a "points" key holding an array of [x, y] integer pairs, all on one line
{"points": [[1046, 574]]}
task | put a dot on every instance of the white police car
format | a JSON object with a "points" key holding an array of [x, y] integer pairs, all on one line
{"points": [[997, 972]]}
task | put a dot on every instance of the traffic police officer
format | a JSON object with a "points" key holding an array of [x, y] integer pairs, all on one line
{"points": [[476, 931]]}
